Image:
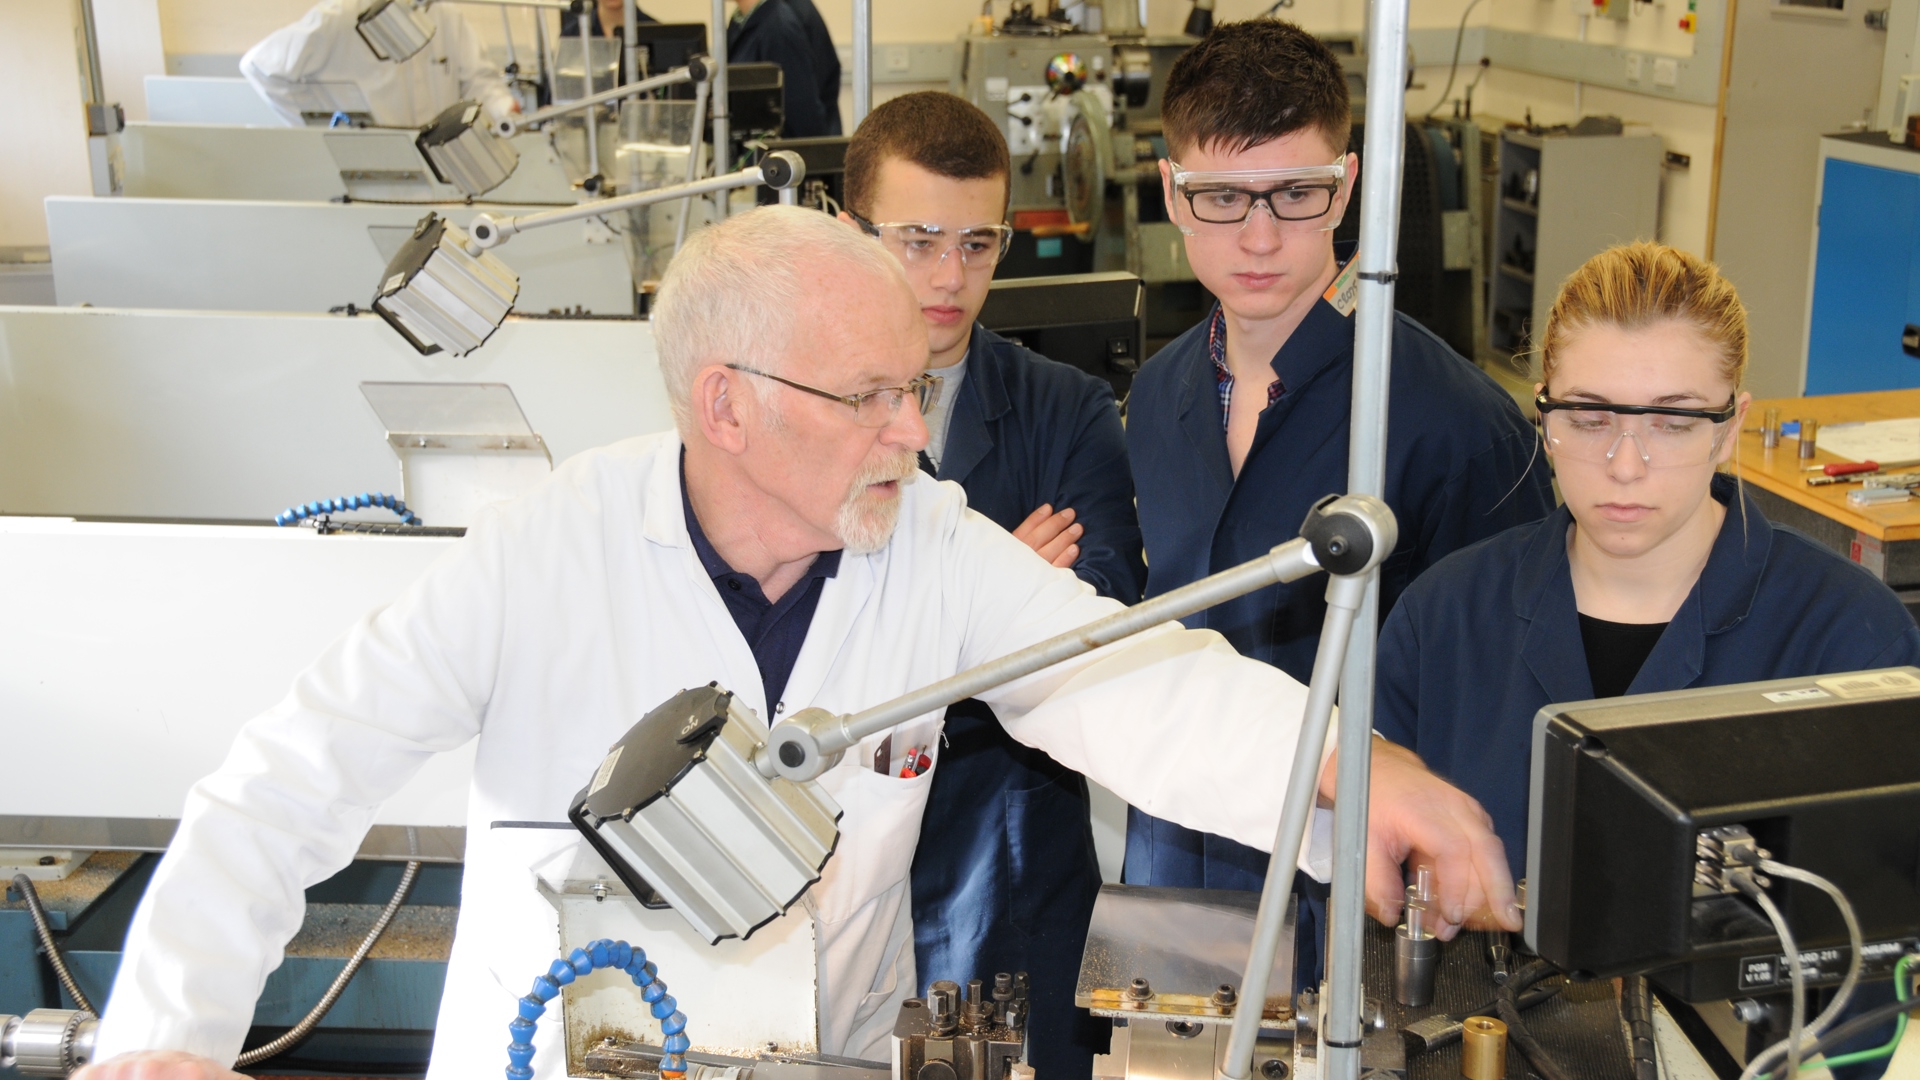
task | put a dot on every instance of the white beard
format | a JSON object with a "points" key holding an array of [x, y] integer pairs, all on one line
{"points": [[866, 522]]}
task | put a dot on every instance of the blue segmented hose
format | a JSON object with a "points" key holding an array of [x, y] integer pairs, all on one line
{"points": [[364, 500], [600, 954]]}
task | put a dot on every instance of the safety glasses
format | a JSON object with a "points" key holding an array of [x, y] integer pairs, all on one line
{"points": [[917, 243], [1298, 200], [1663, 437]]}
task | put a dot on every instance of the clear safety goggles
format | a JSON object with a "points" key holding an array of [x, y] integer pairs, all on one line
{"points": [[919, 244], [1664, 438], [1297, 200]]}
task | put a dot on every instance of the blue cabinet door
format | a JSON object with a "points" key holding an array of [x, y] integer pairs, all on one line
{"points": [[1866, 285]]}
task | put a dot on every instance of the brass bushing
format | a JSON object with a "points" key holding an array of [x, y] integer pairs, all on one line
{"points": [[1483, 1049]]}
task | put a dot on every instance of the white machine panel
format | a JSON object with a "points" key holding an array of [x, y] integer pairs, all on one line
{"points": [[295, 256], [230, 161], [229, 416], [130, 655], [191, 99]]}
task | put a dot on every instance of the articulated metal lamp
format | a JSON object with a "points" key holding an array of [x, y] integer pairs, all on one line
{"points": [[445, 290], [461, 147], [395, 29], [725, 819]]}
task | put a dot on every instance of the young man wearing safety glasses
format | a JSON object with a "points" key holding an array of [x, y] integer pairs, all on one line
{"points": [[1239, 425], [1005, 875]]}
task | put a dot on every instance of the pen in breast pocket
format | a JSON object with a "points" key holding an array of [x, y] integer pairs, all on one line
{"points": [[916, 763], [883, 755]]}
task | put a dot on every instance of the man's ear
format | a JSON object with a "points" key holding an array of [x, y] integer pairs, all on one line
{"points": [[1166, 186], [1352, 185], [719, 411], [848, 218]]}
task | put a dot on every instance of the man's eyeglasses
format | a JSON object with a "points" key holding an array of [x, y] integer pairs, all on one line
{"points": [[918, 244], [1292, 197], [1664, 437], [871, 408]]}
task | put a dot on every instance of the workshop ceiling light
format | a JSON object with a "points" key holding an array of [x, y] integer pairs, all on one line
{"points": [[442, 293], [395, 29], [463, 151]]}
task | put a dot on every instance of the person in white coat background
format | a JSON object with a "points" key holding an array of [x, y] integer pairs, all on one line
{"points": [[782, 543], [324, 47]]}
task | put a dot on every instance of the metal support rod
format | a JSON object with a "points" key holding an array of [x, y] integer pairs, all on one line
{"points": [[584, 20], [831, 734], [549, 64], [862, 61], [90, 54], [1344, 598], [489, 231], [534, 119], [722, 132], [1380, 179], [693, 163], [506, 27], [630, 40]]}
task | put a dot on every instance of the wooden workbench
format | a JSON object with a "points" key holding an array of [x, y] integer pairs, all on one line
{"points": [[1884, 539]]}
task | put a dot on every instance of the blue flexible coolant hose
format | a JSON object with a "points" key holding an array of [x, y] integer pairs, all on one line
{"points": [[364, 500], [600, 954]]}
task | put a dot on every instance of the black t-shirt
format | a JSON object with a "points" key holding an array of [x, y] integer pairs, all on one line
{"points": [[1615, 652]]}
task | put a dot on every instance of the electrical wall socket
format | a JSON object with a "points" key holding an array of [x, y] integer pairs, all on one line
{"points": [[1666, 72], [898, 58], [1635, 63]]}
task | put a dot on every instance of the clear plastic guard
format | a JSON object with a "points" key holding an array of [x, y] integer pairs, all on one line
{"points": [[410, 408], [1186, 944]]}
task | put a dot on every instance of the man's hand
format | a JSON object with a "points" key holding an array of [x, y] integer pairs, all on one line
{"points": [[1052, 535], [1416, 818], [158, 1065]]}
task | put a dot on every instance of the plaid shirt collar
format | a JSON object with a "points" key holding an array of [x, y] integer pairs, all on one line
{"points": [[1222, 374]]}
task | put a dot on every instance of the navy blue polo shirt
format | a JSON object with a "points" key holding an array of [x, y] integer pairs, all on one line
{"points": [[774, 630]]}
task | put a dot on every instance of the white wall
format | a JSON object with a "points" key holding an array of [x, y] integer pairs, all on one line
{"points": [[43, 129]]}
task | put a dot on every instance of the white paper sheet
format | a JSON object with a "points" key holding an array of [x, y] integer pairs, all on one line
{"points": [[1872, 440]]}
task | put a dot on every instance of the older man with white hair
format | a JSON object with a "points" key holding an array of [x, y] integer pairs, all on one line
{"points": [[780, 543]]}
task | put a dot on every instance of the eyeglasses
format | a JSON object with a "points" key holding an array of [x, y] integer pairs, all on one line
{"points": [[917, 244], [1665, 437], [871, 408], [1295, 198]]}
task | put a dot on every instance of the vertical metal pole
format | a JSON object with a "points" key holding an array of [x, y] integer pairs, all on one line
{"points": [[630, 35], [549, 64], [1380, 176], [506, 27], [693, 164], [584, 20], [90, 55], [722, 129], [862, 61]]}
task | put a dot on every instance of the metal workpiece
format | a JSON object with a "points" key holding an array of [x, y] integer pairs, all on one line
{"points": [[1809, 438], [955, 1035], [47, 1042], [1483, 1049], [698, 70], [1339, 529], [1416, 952], [1177, 955], [677, 808], [780, 169]]}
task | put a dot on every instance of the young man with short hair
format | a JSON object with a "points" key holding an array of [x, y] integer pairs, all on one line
{"points": [[1240, 424], [1005, 875]]}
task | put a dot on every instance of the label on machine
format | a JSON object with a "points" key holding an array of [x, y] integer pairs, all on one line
{"points": [[1823, 965]]}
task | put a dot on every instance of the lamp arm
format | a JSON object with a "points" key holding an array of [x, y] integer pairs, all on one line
{"points": [[696, 71], [1347, 535], [780, 170]]}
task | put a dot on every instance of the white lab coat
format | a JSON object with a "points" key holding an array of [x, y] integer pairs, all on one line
{"points": [[324, 47], [558, 623]]}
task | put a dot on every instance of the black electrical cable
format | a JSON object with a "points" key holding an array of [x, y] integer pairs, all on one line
{"points": [[1453, 70], [24, 886], [1425, 1042], [1866, 1021], [1507, 1000], [1636, 1001]]}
